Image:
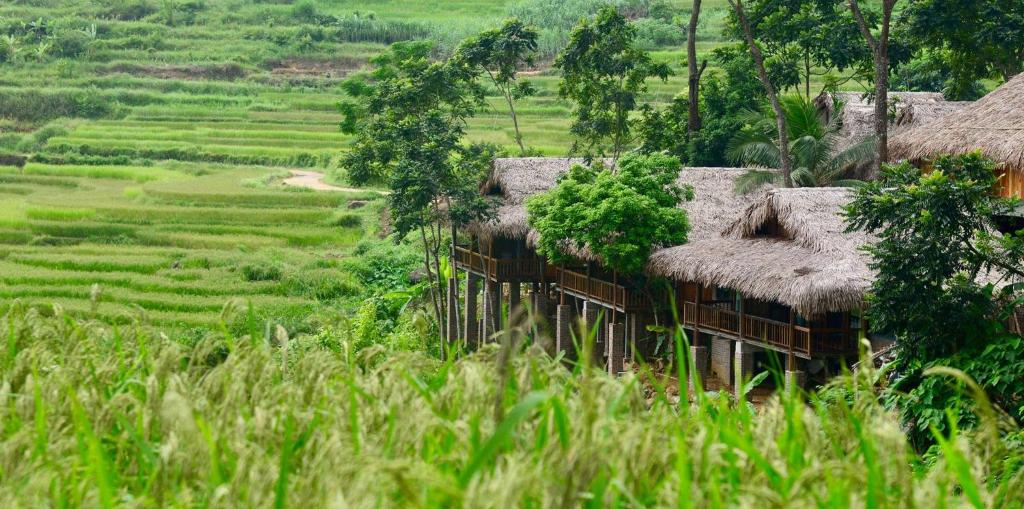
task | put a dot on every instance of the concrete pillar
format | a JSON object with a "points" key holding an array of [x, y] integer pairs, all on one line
{"points": [[743, 366], [795, 379], [471, 326], [453, 310], [721, 359], [698, 368], [563, 328], [616, 348]]}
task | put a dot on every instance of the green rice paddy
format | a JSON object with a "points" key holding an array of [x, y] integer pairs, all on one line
{"points": [[173, 243]]}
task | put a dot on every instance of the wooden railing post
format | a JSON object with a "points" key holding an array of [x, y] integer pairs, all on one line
{"points": [[696, 328], [740, 314], [791, 358]]}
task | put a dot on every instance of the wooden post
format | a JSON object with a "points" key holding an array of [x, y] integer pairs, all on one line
{"points": [[696, 318], [515, 298], [472, 326], [742, 315], [846, 329], [791, 358], [453, 310]]}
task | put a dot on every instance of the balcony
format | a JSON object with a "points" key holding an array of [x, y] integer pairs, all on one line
{"points": [[498, 269], [719, 317], [606, 293]]}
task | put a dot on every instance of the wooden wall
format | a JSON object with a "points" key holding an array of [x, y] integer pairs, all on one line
{"points": [[1011, 182]]}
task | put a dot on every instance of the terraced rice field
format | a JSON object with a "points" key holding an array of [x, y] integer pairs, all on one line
{"points": [[175, 244]]}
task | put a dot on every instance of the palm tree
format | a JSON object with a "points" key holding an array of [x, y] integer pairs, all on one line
{"points": [[816, 160]]}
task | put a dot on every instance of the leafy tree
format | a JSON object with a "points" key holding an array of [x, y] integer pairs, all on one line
{"points": [[930, 71], [979, 38], [724, 101], [934, 252], [500, 53], [604, 72], [409, 116], [816, 37], [817, 161], [619, 215]]}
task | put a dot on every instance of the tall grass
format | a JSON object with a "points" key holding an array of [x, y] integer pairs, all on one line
{"points": [[97, 416]]}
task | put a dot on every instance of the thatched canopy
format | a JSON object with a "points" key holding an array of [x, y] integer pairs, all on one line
{"points": [[994, 125], [926, 112], [857, 121], [514, 180], [790, 247]]}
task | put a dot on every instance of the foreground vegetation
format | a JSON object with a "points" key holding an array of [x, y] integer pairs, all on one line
{"points": [[100, 416]]}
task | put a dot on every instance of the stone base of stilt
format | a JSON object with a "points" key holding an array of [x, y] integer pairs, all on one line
{"points": [[563, 329], [616, 348], [743, 367], [795, 380], [698, 368]]}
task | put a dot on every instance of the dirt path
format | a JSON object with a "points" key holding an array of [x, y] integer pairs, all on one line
{"points": [[315, 180]]}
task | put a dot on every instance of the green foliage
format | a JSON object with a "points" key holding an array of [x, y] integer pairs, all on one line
{"points": [[815, 157], [935, 250], [935, 240], [808, 37], [500, 53], [604, 73], [927, 403], [931, 72], [978, 39], [261, 272], [618, 214], [724, 103], [40, 106]]}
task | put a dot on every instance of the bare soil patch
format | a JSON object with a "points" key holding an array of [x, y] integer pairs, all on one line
{"points": [[228, 72], [327, 68]]}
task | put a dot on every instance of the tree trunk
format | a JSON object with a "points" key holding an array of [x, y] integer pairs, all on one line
{"points": [[780, 116], [451, 265], [693, 124], [430, 284], [807, 75], [880, 52]]}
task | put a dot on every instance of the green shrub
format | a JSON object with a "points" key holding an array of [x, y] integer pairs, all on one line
{"points": [[654, 33], [69, 44], [347, 220], [130, 10], [261, 272], [304, 11], [321, 284], [43, 105]]}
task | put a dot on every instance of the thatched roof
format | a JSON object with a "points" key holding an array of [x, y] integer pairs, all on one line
{"points": [[994, 124], [858, 112], [924, 113], [808, 262], [514, 180]]}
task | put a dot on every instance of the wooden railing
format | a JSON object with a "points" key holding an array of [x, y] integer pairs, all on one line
{"points": [[499, 268], [715, 316], [599, 290]]}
